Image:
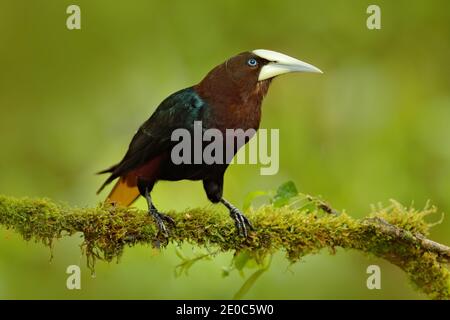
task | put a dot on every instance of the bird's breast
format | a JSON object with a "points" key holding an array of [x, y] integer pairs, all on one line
{"points": [[235, 112], [236, 117]]}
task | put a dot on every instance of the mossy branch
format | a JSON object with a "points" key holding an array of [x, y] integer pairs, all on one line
{"points": [[396, 233]]}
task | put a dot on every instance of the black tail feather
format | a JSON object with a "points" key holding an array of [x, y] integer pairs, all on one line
{"points": [[109, 170], [108, 181], [110, 178]]}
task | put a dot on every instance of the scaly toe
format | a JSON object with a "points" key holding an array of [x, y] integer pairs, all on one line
{"points": [[167, 219], [240, 223], [161, 226]]}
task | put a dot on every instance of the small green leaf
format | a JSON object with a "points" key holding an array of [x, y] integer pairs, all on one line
{"points": [[187, 263], [284, 194], [252, 264], [252, 196], [241, 260], [308, 207]]}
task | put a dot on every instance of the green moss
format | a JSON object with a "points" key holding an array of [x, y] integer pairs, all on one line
{"points": [[107, 230]]}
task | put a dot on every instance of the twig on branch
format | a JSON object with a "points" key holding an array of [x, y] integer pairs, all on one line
{"points": [[396, 234], [416, 239]]}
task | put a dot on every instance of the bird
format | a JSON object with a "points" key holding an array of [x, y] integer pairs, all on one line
{"points": [[228, 97]]}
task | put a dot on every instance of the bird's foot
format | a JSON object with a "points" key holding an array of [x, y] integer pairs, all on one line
{"points": [[241, 222], [161, 220]]}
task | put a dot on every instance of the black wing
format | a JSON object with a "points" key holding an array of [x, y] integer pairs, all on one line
{"points": [[153, 138]]}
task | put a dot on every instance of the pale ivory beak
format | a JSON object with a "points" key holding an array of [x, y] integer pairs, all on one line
{"points": [[281, 64]]}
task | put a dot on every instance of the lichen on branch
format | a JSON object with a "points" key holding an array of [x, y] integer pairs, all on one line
{"points": [[396, 233]]}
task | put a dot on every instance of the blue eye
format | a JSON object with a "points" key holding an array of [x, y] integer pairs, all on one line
{"points": [[252, 62]]}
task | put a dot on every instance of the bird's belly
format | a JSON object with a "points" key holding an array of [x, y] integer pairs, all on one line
{"points": [[175, 172], [234, 132]]}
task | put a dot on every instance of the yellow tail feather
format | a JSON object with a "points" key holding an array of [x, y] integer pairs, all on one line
{"points": [[124, 192]]}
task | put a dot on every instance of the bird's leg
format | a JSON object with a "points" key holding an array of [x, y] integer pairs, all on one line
{"points": [[241, 221], [158, 216]]}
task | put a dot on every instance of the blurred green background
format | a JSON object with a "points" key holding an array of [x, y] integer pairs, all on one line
{"points": [[375, 126]]}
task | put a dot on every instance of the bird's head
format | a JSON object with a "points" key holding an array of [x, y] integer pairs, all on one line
{"points": [[254, 70], [261, 64]]}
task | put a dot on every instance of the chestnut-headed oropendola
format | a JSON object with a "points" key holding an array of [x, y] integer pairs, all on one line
{"points": [[229, 97]]}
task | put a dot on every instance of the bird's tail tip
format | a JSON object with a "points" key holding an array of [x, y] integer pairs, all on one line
{"points": [[100, 189], [109, 170], [111, 178]]}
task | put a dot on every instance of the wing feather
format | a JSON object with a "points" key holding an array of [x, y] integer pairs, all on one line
{"points": [[153, 138]]}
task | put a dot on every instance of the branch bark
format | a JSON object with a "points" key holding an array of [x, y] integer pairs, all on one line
{"points": [[396, 233]]}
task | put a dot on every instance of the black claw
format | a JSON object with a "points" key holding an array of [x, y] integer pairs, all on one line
{"points": [[241, 222], [160, 218], [241, 226], [247, 222], [237, 223], [167, 219]]}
